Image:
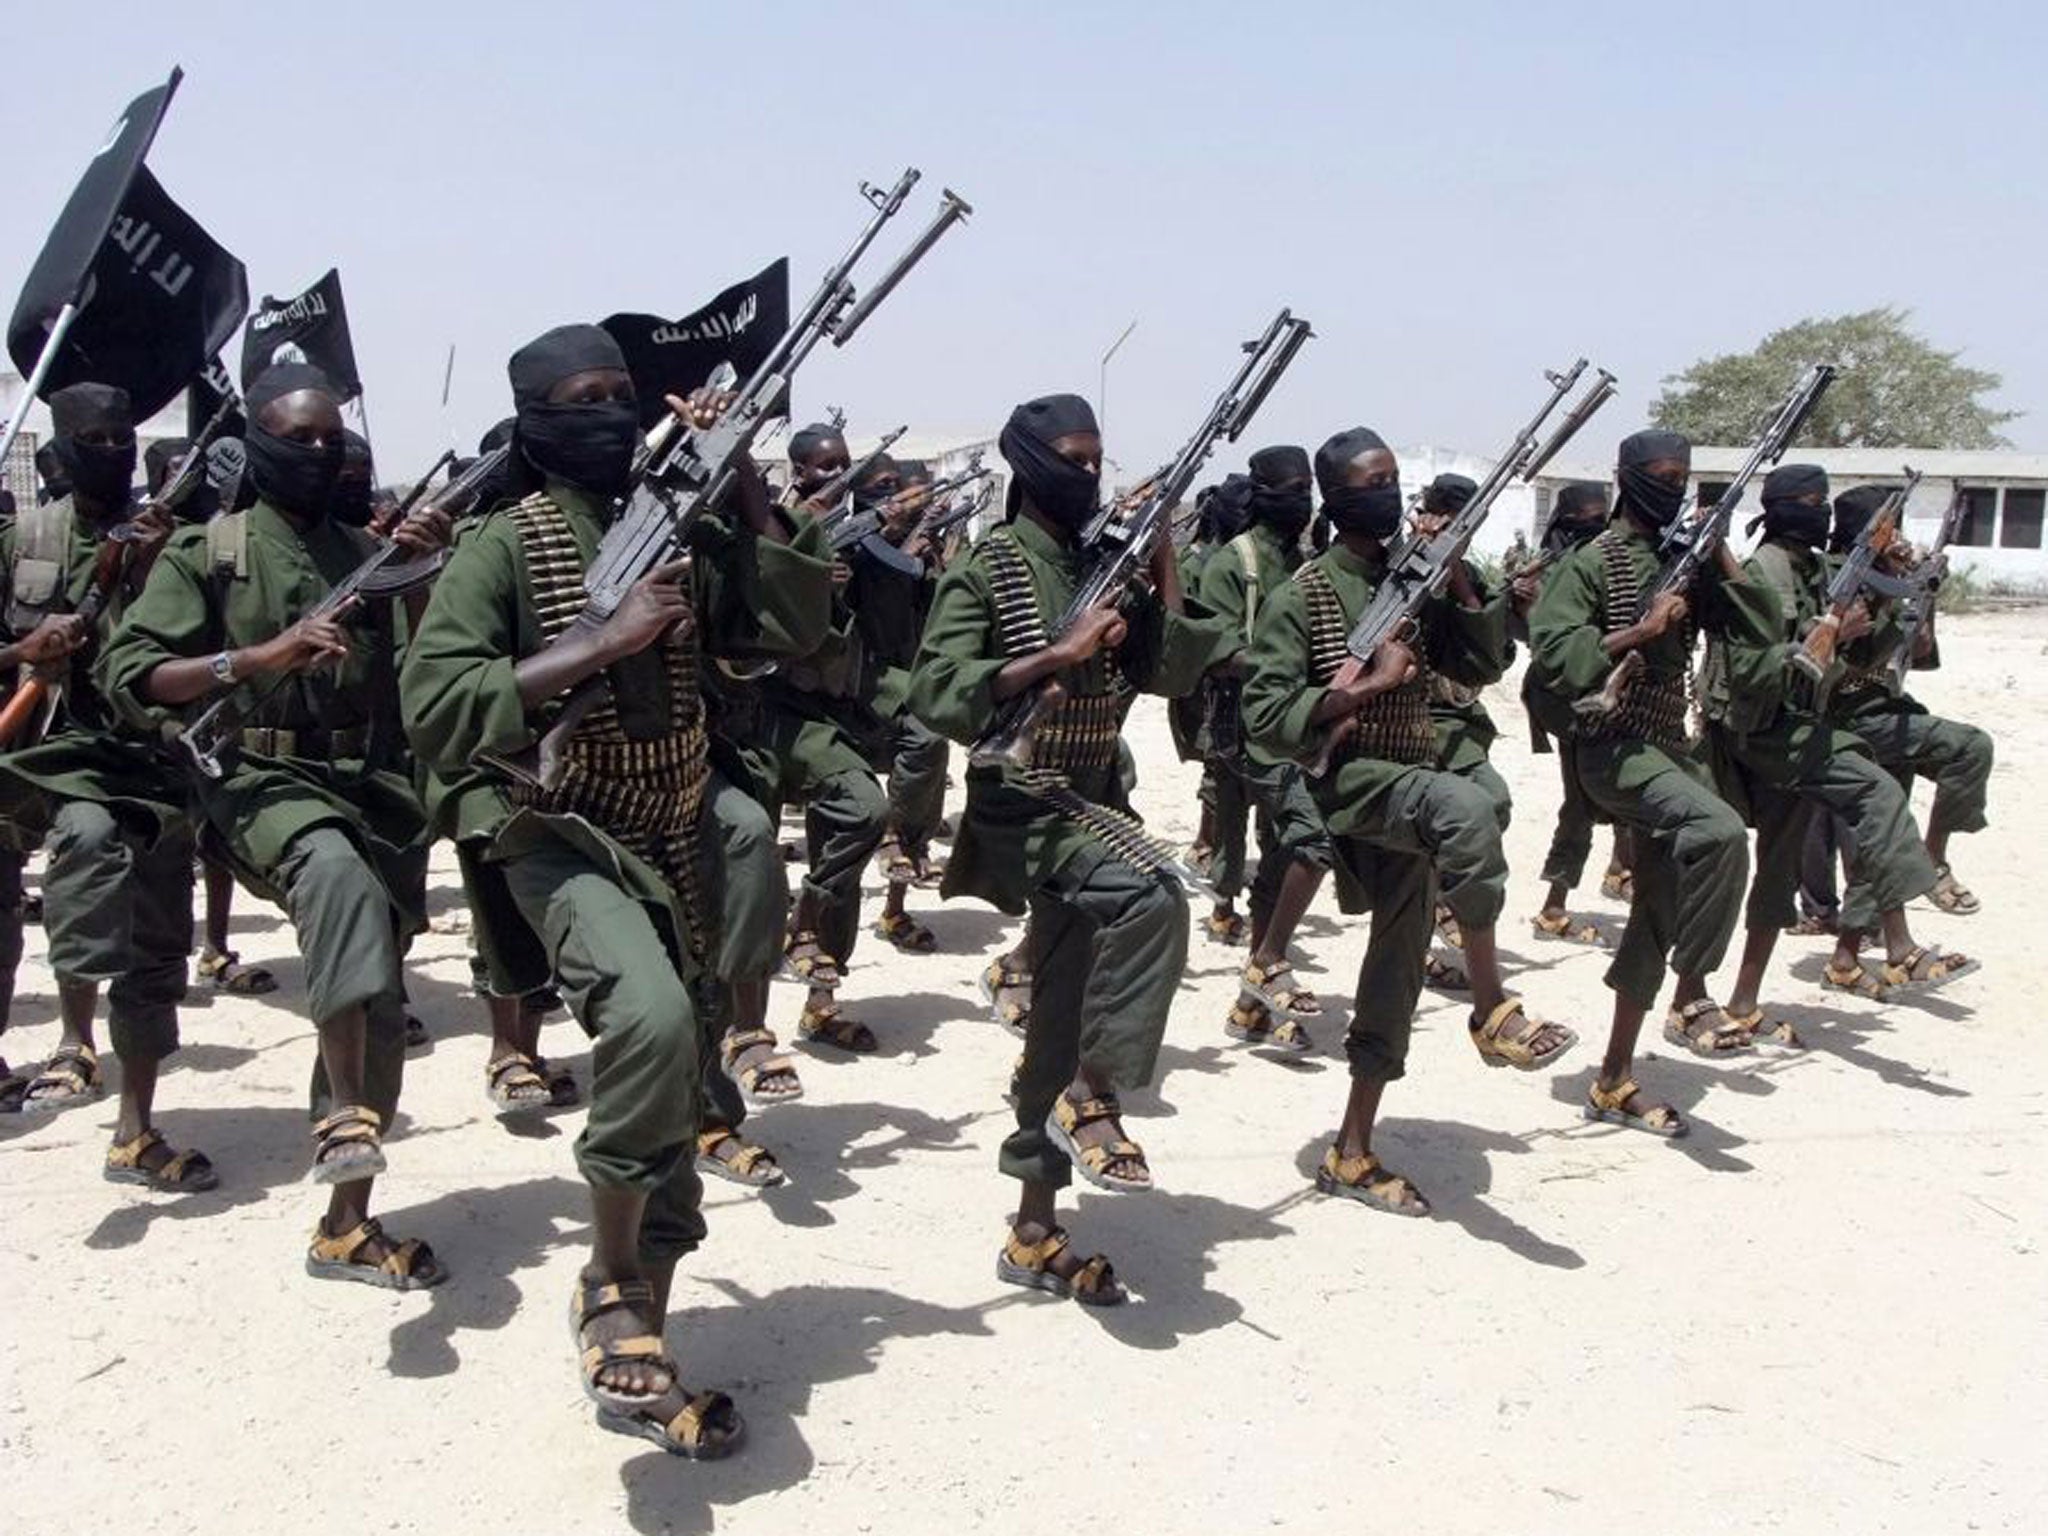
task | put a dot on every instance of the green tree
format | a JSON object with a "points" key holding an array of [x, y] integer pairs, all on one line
{"points": [[1895, 390]]}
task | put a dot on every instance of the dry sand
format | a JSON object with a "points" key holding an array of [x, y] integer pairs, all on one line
{"points": [[1825, 1312]]}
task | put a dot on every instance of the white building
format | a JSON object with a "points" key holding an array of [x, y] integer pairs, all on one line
{"points": [[2001, 535]]}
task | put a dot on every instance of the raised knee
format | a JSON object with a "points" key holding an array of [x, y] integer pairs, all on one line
{"points": [[82, 829]]}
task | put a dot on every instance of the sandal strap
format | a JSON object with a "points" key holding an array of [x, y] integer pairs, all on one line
{"points": [[740, 1041], [1034, 1256], [1000, 975], [129, 1154], [1615, 1098], [1090, 1111], [182, 1163], [609, 1296], [688, 1426], [352, 1122], [1095, 1276], [517, 1064], [346, 1246], [406, 1259]]}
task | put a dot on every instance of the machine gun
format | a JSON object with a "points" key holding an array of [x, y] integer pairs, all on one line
{"points": [[1119, 548], [1422, 563], [828, 494], [385, 573], [687, 473], [35, 700], [1924, 582], [1858, 573], [1690, 542], [845, 532]]}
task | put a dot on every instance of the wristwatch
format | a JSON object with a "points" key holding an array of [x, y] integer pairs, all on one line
{"points": [[223, 667]]}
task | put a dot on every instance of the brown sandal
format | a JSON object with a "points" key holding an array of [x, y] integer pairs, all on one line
{"points": [[1095, 1162], [1777, 1033], [804, 958], [1499, 1046], [997, 979], [411, 1266], [707, 1428], [906, 933], [1254, 1026], [1857, 979], [1353, 1178], [1439, 973], [69, 1078], [222, 969], [175, 1173], [1924, 970], [753, 1078], [1610, 1106], [515, 1086], [1683, 1026], [1094, 1284], [349, 1126], [824, 1024], [1447, 927], [1619, 885], [593, 1300], [747, 1163], [1565, 929], [1951, 895], [1225, 928], [1272, 986]]}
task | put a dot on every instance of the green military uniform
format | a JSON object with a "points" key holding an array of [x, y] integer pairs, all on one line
{"points": [[611, 868], [1399, 825], [1691, 853], [1909, 742], [1236, 583], [110, 806], [1108, 937], [1777, 760], [314, 811], [889, 607], [1465, 732]]}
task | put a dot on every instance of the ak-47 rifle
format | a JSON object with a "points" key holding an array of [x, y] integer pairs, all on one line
{"points": [[689, 472], [35, 700], [1421, 565], [1858, 573], [828, 494], [845, 532], [1690, 542], [411, 499], [1925, 580], [387, 572], [1119, 548]]}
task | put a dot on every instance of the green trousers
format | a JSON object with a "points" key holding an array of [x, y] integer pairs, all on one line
{"points": [[1956, 758], [1108, 946], [1429, 834], [12, 899], [1571, 843], [1888, 866], [1486, 778], [624, 984], [119, 910], [1689, 855], [1275, 799], [347, 932], [917, 783]]}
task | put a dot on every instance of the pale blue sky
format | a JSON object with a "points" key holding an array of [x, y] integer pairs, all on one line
{"points": [[1457, 195]]}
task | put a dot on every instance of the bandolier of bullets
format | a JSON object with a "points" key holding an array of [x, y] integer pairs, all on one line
{"points": [[1654, 706], [648, 794], [1081, 735], [1394, 727]]}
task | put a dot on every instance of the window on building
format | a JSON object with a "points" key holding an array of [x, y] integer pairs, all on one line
{"points": [[1980, 516], [2020, 528]]}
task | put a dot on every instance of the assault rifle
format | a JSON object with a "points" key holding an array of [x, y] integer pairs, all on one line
{"points": [[1421, 565], [1857, 574], [1119, 548], [1925, 583], [845, 532], [385, 573], [828, 494], [35, 700], [689, 472], [1690, 542]]}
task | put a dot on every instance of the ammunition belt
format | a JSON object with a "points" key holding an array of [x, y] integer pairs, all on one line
{"points": [[1123, 834], [648, 794], [1654, 707], [1081, 735], [1392, 728]]}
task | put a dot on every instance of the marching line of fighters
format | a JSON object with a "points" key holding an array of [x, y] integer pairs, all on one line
{"points": [[602, 660]]}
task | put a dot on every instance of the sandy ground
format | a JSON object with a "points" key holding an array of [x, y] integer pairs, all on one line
{"points": [[1825, 1312]]}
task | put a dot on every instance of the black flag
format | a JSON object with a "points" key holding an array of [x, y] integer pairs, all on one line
{"points": [[312, 328], [156, 295], [205, 395], [740, 326]]}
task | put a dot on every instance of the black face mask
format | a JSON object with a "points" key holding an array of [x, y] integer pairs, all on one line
{"points": [[100, 474], [1372, 510], [1569, 533], [1799, 521], [589, 445], [1655, 501], [298, 477], [867, 497], [1286, 511]]}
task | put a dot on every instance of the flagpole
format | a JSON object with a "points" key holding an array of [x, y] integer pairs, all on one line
{"points": [[45, 361]]}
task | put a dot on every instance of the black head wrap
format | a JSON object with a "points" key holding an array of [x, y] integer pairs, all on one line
{"points": [[1656, 501], [355, 490], [914, 471], [1061, 489], [1449, 493], [1229, 511], [880, 480], [498, 436], [1371, 511], [299, 477], [55, 478], [1853, 512], [512, 481], [1580, 513], [102, 473], [1784, 515], [1280, 496], [588, 445]]}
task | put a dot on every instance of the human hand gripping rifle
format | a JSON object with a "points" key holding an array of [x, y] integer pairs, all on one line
{"points": [[828, 494], [1422, 564], [1120, 548], [844, 533], [1925, 580], [1690, 542], [1859, 572], [390, 571], [688, 472], [35, 700]]}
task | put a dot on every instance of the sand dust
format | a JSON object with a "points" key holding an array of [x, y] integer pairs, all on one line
{"points": [[1825, 1312]]}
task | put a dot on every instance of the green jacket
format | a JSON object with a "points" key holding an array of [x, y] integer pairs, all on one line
{"points": [[1009, 842], [196, 605], [1467, 645]]}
